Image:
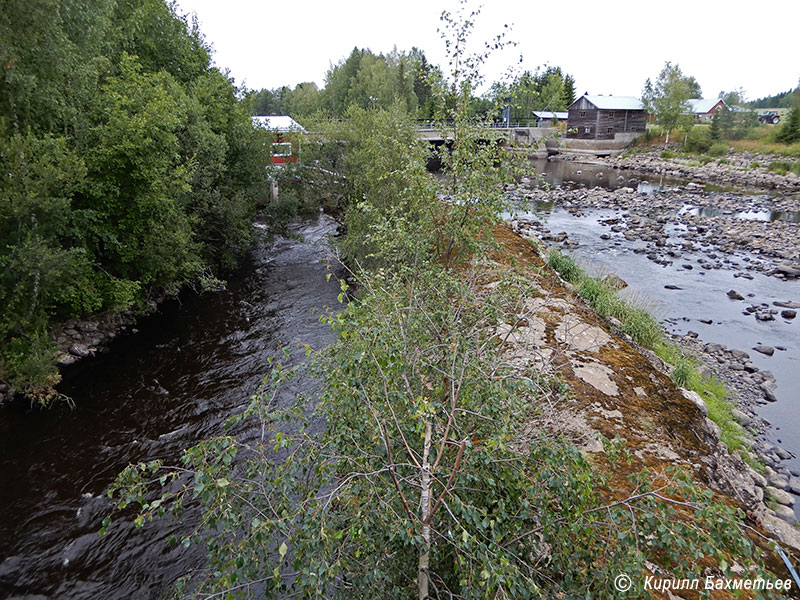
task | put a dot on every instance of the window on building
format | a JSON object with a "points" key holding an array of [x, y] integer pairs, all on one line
{"points": [[587, 130], [282, 149], [583, 113], [611, 114]]}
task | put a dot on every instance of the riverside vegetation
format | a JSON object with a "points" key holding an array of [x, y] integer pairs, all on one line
{"points": [[427, 480], [129, 169]]}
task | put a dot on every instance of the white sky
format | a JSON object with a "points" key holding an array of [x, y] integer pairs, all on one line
{"points": [[610, 47]]}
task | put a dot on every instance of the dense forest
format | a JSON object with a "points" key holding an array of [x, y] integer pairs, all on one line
{"points": [[368, 80], [129, 169]]}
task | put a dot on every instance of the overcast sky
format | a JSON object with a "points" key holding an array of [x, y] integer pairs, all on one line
{"points": [[610, 47]]}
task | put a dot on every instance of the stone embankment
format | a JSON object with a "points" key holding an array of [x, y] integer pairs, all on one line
{"points": [[617, 390], [79, 339], [741, 169]]}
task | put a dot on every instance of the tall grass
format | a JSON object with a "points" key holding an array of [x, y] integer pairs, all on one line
{"points": [[642, 327]]}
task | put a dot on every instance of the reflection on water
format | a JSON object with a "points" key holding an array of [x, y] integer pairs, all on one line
{"points": [[749, 215]]}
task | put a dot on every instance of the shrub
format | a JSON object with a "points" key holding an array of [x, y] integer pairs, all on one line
{"points": [[718, 149], [666, 154], [699, 140]]}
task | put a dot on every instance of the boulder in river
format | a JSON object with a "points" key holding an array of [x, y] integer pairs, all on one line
{"points": [[614, 281], [734, 295]]}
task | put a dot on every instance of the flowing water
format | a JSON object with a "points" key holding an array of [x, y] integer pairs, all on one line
{"points": [[174, 383]]}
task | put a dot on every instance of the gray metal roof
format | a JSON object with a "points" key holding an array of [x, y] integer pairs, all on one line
{"points": [[703, 105], [278, 123], [546, 114], [614, 102]]}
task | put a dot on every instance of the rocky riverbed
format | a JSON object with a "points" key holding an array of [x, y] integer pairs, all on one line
{"points": [[733, 230], [741, 169]]}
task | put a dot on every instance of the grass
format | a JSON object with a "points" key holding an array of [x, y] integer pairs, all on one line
{"points": [[643, 328]]}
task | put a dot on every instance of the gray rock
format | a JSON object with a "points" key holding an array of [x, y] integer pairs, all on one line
{"points": [[768, 350], [780, 496], [788, 314], [758, 478], [777, 481], [64, 359], [79, 350], [615, 281], [734, 295], [740, 417], [696, 399], [785, 513], [769, 392], [794, 485]]}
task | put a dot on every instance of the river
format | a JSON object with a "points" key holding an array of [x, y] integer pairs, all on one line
{"points": [[192, 365]]}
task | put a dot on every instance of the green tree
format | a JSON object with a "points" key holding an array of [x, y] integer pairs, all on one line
{"points": [[129, 168], [668, 97], [790, 130], [569, 91]]}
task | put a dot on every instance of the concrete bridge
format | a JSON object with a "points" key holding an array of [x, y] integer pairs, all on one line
{"points": [[514, 136]]}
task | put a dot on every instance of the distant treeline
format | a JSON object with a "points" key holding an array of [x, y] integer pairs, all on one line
{"points": [[782, 100], [369, 80], [129, 168]]}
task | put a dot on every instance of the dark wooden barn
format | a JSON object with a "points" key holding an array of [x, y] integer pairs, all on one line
{"points": [[605, 117]]}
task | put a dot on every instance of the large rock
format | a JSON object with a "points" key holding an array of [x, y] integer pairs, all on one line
{"points": [[785, 513], [780, 496], [696, 399], [614, 281], [80, 350]]}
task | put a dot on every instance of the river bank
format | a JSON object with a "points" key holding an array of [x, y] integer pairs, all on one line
{"points": [[615, 390]]}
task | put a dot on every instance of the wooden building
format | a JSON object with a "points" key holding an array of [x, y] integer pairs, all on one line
{"points": [[605, 118]]}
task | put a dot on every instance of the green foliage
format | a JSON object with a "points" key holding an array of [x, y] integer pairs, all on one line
{"points": [[550, 90], [699, 139], [565, 265], [718, 149], [782, 100], [129, 167], [790, 130], [668, 97]]}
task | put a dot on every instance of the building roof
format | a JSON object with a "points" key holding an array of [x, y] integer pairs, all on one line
{"points": [[614, 102], [703, 105], [280, 123], [546, 114]]}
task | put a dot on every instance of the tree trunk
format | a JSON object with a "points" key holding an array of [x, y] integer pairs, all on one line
{"points": [[425, 508]]}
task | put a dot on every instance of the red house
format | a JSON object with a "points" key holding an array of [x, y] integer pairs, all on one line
{"points": [[286, 144]]}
